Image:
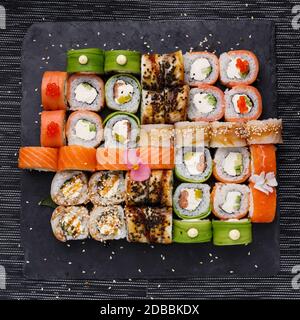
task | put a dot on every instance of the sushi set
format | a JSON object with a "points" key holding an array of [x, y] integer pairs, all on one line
{"points": [[169, 148]]}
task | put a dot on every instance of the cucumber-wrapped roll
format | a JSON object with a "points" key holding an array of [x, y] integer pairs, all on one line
{"points": [[192, 231], [122, 61], [232, 232]]}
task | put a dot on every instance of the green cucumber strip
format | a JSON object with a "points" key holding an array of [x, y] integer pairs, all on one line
{"points": [[134, 117], [181, 227], [48, 202], [133, 64]]}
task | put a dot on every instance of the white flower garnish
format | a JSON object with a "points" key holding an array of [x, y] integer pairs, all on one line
{"points": [[264, 182]]}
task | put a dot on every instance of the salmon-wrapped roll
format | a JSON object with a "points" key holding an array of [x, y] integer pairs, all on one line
{"points": [[263, 158]]}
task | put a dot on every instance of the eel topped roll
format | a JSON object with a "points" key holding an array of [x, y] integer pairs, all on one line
{"points": [[192, 231], [200, 68], [85, 92], [192, 201], [89, 60], [152, 77], [123, 93], [230, 201], [69, 188], [122, 61], [84, 128], [173, 69], [70, 223], [153, 107], [107, 223], [193, 164], [107, 188], [238, 67], [242, 103], [232, 165], [149, 224], [206, 103]]}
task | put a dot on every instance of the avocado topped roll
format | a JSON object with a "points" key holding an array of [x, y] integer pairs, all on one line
{"points": [[123, 93], [106, 188], [192, 231], [121, 130], [193, 164], [85, 92], [70, 223], [230, 201], [107, 223], [122, 61], [232, 165], [192, 201], [69, 188]]}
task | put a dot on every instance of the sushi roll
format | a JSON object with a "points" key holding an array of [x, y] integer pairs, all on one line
{"points": [[201, 68], [90, 60], [149, 224], [38, 158], [85, 92], [263, 158], [123, 93], [53, 128], [156, 191], [107, 223], [176, 104], [192, 201], [122, 61], [228, 134], [69, 188], [238, 67], [230, 201], [193, 164], [153, 107], [157, 158], [121, 130], [192, 231], [231, 165], [264, 131], [84, 128], [173, 69], [192, 134], [206, 103], [77, 158], [70, 223], [156, 135], [53, 90], [107, 188], [232, 232], [152, 77], [242, 103]]}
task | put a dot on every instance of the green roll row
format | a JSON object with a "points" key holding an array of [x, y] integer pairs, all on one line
{"points": [[223, 233], [98, 61]]}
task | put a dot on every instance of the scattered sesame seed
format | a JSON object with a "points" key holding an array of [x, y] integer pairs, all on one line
{"points": [[33, 40], [158, 286], [27, 261], [231, 271], [186, 35], [249, 253], [139, 270], [50, 35], [27, 201], [45, 259], [256, 266], [83, 251], [250, 36], [109, 288], [162, 39], [30, 229], [110, 257], [83, 271], [98, 33], [173, 270], [210, 254]]}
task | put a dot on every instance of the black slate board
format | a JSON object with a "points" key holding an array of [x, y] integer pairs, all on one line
{"points": [[44, 49]]}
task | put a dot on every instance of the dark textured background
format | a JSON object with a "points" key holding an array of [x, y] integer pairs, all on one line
{"points": [[20, 15]]}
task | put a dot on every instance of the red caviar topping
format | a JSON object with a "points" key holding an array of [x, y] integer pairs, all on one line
{"points": [[243, 65], [52, 129], [52, 90], [242, 105]]}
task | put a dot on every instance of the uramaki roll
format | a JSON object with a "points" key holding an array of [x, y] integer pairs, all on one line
{"points": [[263, 158], [192, 231], [122, 61]]}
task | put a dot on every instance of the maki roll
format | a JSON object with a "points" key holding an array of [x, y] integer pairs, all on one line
{"points": [[156, 135], [156, 191], [206, 103], [263, 158], [193, 164], [201, 68], [173, 69], [122, 61], [77, 158], [38, 158], [85, 92], [153, 107], [69, 188], [228, 134], [53, 90], [107, 223], [70, 223], [232, 165], [149, 224], [121, 130], [232, 232], [123, 93], [192, 231], [238, 67], [264, 131], [192, 134], [176, 104], [192, 201], [107, 188], [84, 128], [230, 201], [53, 128], [242, 103], [152, 77], [89, 60]]}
